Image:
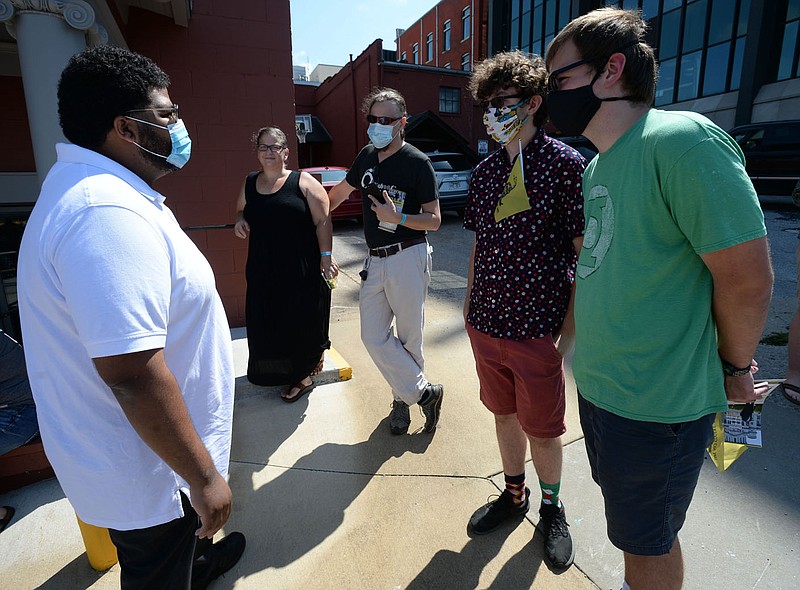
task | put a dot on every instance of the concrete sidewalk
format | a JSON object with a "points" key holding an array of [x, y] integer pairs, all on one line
{"points": [[329, 499]]}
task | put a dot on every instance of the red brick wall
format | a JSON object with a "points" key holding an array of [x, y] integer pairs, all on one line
{"points": [[338, 102], [16, 149], [231, 74], [433, 22]]}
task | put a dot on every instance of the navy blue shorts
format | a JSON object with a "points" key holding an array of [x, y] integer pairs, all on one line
{"points": [[647, 472]]}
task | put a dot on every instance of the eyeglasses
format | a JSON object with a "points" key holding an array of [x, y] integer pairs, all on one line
{"points": [[382, 120], [166, 112], [498, 102], [275, 149], [552, 78]]}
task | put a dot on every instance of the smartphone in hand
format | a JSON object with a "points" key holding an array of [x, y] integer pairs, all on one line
{"points": [[373, 190]]}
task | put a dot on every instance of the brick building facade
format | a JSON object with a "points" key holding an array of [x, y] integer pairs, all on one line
{"points": [[231, 71], [450, 35]]}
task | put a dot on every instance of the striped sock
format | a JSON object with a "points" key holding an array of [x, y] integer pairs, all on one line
{"points": [[515, 484], [550, 493]]}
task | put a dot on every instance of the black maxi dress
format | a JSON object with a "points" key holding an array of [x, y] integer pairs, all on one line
{"points": [[288, 303]]}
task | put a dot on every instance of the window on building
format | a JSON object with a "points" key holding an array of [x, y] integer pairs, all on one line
{"points": [[665, 91], [789, 65], [449, 100], [446, 36], [465, 62], [694, 26], [447, 66], [415, 53], [429, 47], [465, 23], [403, 57]]}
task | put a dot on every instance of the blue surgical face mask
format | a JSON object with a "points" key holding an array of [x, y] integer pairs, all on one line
{"points": [[181, 142], [380, 135]]}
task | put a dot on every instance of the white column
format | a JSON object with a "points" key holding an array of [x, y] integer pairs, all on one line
{"points": [[48, 33]]}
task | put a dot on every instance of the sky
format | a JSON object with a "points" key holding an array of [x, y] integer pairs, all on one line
{"points": [[328, 31]]}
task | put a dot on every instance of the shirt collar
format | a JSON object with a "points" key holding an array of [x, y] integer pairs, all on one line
{"points": [[74, 154]]}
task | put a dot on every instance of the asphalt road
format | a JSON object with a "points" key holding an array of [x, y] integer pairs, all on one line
{"points": [[451, 246]]}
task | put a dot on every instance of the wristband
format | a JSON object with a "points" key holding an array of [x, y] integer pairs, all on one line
{"points": [[325, 253], [403, 219], [732, 371]]}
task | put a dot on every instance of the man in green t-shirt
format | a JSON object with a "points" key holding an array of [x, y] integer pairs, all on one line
{"points": [[673, 285]]}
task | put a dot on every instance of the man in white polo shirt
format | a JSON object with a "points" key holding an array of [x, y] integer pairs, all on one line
{"points": [[127, 344]]}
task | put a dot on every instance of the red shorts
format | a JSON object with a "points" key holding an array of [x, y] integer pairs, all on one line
{"points": [[525, 377]]}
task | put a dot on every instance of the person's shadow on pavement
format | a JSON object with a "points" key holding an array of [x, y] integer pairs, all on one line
{"points": [[463, 570], [301, 506]]}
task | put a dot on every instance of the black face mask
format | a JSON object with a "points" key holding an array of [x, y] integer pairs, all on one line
{"points": [[572, 110]]}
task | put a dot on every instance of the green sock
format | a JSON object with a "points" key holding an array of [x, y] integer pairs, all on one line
{"points": [[550, 493]]}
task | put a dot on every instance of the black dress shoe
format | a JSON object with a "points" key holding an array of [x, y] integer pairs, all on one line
{"points": [[221, 557]]}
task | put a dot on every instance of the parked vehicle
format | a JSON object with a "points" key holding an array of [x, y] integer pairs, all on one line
{"points": [[330, 176], [453, 171], [772, 152]]}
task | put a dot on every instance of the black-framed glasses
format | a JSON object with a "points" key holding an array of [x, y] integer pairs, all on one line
{"points": [[498, 102], [382, 120], [170, 112], [552, 78], [275, 149]]}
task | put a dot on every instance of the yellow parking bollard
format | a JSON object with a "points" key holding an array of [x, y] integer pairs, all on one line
{"points": [[100, 550]]}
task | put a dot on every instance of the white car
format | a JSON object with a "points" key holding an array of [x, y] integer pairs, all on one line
{"points": [[453, 171]]}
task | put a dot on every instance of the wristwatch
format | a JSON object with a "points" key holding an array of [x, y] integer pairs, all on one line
{"points": [[732, 371]]}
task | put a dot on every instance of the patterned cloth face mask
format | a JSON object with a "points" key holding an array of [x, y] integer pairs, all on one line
{"points": [[503, 124]]}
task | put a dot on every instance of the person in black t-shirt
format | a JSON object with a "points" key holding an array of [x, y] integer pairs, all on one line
{"points": [[401, 204]]}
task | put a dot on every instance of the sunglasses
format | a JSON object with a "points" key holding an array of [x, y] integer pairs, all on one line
{"points": [[498, 102], [166, 112], [382, 120], [275, 149]]}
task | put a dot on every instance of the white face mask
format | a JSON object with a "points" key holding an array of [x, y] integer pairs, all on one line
{"points": [[503, 124], [380, 135]]}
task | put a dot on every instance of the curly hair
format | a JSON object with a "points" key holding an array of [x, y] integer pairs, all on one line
{"points": [[605, 31], [99, 84], [524, 71]]}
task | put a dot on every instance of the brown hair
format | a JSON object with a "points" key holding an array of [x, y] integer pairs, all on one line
{"points": [[280, 135], [523, 71], [605, 31], [383, 95]]}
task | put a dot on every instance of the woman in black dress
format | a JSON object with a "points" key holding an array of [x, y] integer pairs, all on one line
{"points": [[286, 215]]}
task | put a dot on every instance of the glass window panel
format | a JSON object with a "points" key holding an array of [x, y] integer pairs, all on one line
{"points": [[793, 11], [515, 9], [716, 69], [563, 13], [537, 23], [628, 4], [744, 15], [537, 48], [666, 82], [738, 58], [526, 5], [670, 4], [669, 35], [649, 9], [788, 50], [721, 28], [694, 26], [515, 34], [526, 31], [550, 16], [689, 80], [612, 2], [537, 2]]}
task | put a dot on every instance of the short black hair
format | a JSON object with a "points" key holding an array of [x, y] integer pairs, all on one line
{"points": [[99, 84]]}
